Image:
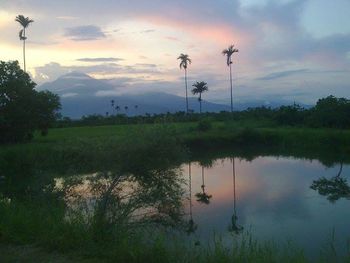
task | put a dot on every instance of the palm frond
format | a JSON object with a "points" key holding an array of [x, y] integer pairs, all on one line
{"points": [[185, 60], [24, 21]]}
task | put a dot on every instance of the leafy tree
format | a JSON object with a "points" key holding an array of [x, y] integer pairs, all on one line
{"points": [[185, 60], [199, 88], [23, 109], [290, 115], [24, 22], [331, 112], [228, 53]]}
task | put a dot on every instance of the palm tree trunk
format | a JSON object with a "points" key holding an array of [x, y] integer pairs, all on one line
{"points": [[200, 103], [24, 49], [186, 90], [231, 87]]}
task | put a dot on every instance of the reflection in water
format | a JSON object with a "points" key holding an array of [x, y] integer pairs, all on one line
{"points": [[192, 227], [334, 188], [203, 197], [234, 227], [271, 197], [114, 202]]}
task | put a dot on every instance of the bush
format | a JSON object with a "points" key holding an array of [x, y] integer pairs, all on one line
{"points": [[204, 125]]}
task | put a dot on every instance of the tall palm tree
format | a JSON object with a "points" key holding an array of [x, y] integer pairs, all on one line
{"points": [[199, 88], [184, 62], [24, 22], [228, 53], [112, 105]]}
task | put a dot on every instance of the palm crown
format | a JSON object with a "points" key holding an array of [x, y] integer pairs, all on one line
{"points": [[199, 87], [24, 21], [185, 60], [229, 52]]}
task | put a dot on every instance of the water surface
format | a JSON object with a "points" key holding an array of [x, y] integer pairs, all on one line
{"points": [[271, 198]]}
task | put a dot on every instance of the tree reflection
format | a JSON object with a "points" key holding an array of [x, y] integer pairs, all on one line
{"points": [[234, 226], [191, 226], [333, 188], [203, 197], [117, 202]]}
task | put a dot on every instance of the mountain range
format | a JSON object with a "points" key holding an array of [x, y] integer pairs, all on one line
{"points": [[83, 95]]}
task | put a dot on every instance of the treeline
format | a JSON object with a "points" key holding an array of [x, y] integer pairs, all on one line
{"points": [[329, 112]]}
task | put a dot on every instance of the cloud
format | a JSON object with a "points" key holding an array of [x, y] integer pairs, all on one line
{"points": [[84, 33], [147, 31], [145, 65], [282, 74], [99, 59]]}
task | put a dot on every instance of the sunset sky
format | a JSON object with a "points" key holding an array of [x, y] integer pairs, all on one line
{"points": [[295, 50]]}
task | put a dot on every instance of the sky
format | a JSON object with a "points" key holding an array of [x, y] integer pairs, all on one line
{"points": [[296, 50]]}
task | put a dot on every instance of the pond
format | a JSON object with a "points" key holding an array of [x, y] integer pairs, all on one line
{"points": [[272, 198]]}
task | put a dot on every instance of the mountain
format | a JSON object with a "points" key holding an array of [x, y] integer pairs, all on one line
{"points": [[80, 96], [83, 95]]}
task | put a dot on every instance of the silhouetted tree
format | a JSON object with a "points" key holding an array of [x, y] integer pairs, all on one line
{"points": [[184, 61], [199, 88], [23, 109], [112, 105], [228, 53], [24, 22]]}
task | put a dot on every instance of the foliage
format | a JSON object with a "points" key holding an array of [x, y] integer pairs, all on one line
{"points": [[22, 109], [204, 125], [331, 112]]}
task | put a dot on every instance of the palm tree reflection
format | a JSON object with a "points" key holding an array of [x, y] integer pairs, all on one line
{"points": [[203, 197], [334, 188], [191, 227], [234, 227]]}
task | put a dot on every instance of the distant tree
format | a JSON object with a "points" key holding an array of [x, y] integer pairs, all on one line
{"points": [[228, 53], [23, 109], [126, 110], [199, 88], [184, 61], [112, 105], [290, 115], [117, 108], [24, 22]]}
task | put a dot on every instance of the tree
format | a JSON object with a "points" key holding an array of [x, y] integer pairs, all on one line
{"points": [[23, 109], [331, 112], [24, 22], [184, 61], [199, 88], [228, 53]]}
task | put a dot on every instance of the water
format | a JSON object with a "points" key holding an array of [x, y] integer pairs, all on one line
{"points": [[271, 198]]}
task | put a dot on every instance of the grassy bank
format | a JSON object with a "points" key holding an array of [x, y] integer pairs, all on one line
{"points": [[95, 148]]}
